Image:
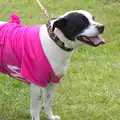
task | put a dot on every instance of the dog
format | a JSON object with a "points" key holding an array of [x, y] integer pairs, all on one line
{"points": [[42, 56]]}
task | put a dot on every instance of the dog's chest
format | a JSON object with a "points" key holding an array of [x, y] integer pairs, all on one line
{"points": [[57, 57], [59, 66]]}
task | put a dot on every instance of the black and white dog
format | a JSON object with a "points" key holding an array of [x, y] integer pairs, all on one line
{"points": [[59, 38]]}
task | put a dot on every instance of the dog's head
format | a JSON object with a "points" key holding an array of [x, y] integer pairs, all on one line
{"points": [[78, 27]]}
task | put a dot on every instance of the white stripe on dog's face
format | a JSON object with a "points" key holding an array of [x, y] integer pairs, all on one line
{"points": [[93, 28], [86, 13]]}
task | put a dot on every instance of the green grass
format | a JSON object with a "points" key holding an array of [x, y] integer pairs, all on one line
{"points": [[90, 89]]}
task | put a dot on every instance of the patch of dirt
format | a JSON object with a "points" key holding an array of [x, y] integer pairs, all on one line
{"points": [[116, 4]]}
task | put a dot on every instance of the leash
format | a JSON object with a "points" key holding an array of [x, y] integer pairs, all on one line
{"points": [[51, 34], [43, 9]]}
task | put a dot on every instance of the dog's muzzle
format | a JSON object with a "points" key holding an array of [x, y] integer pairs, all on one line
{"points": [[93, 41]]}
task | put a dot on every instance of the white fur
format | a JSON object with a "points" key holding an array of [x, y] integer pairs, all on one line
{"points": [[57, 57], [59, 60]]}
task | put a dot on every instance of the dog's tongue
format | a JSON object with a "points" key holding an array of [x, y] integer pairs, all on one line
{"points": [[96, 40]]}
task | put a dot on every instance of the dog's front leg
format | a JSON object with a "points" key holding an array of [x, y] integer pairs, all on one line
{"points": [[35, 101], [48, 99]]}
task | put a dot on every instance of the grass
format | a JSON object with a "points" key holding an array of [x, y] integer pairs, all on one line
{"points": [[90, 89]]}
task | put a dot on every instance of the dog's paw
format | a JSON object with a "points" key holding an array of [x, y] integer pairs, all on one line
{"points": [[54, 118]]}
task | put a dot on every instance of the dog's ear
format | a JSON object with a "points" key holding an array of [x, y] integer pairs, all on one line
{"points": [[60, 23]]}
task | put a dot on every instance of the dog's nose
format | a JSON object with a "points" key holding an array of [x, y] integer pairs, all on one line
{"points": [[101, 28]]}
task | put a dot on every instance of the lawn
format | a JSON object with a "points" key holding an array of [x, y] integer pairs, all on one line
{"points": [[90, 89]]}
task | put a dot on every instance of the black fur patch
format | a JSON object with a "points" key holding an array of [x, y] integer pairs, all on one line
{"points": [[72, 25]]}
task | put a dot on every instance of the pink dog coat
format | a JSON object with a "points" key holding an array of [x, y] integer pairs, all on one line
{"points": [[21, 54]]}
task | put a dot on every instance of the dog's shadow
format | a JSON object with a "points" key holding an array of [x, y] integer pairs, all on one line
{"points": [[26, 116], [43, 118]]}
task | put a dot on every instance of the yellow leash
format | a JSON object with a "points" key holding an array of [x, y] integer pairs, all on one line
{"points": [[42, 8]]}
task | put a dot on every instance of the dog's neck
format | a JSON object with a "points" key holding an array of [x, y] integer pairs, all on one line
{"points": [[57, 57], [57, 40]]}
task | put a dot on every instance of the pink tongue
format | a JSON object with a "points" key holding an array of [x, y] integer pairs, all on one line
{"points": [[96, 40]]}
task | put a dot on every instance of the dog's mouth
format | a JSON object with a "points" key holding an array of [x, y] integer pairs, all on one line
{"points": [[94, 41]]}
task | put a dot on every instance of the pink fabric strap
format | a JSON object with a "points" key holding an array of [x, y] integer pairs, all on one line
{"points": [[15, 18]]}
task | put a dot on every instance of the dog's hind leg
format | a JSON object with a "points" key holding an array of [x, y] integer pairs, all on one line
{"points": [[35, 101], [48, 99]]}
